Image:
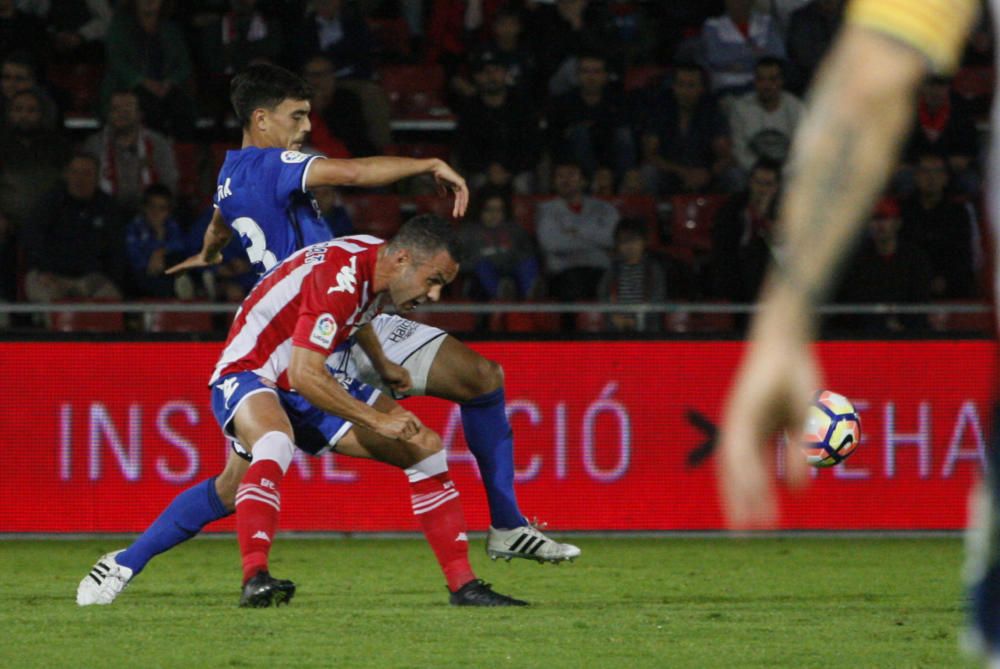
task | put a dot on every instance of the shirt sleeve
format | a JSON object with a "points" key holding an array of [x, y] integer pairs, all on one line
{"points": [[290, 169], [936, 28], [326, 307]]}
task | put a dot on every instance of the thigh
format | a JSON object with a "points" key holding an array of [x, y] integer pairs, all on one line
{"points": [[408, 343], [257, 415], [459, 374], [359, 442]]}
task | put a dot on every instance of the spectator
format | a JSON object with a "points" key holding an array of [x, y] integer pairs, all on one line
{"points": [[602, 184], [454, 27], [147, 53], [342, 36], [763, 122], [810, 33], [887, 269], [684, 138], [561, 30], [743, 235], [77, 30], [943, 127], [334, 213], [131, 156], [497, 137], [633, 278], [508, 44], [73, 243], [228, 43], [941, 228], [339, 129], [32, 157], [153, 242], [731, 44], [496, 251], [589, 124], [20, 31], [576, 234], [19, 72]]}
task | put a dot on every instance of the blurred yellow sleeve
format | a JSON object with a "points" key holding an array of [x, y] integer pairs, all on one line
{"points": [[936, 28]]}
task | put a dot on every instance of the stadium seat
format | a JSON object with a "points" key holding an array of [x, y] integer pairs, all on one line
{"points": [[524, 210], [590, 321], [433, 204], [531, 321], [374, 214], [640, 76], [449, 321], [81, 82], [188, 157], [691, 220], [86, 321], [178, 321], [415, 91], [391, 37], [419, 150], [642, 207]]}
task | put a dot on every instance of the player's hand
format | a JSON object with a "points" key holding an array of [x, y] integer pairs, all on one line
{"points": [[771, 391], [396, 377], [400, 424], [447, 180], [197, 261]]}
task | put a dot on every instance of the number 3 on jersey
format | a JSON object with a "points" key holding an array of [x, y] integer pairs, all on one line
{"points": [[255, 244]]}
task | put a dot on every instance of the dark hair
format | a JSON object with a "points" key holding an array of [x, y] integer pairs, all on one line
{"points": [[490, 192], [691, 66], [264, 86], [630, 227], [769, 61], [156, 190], [424, 235]]}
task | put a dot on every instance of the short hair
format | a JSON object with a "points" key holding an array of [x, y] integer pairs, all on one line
{"points": [[691, 66], [492, 192], [631, 227], [770, 61], [156, 190], [424, 235], [265, 86]]}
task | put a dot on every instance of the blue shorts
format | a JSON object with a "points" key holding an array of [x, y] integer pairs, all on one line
{"points": [[315, 431]]}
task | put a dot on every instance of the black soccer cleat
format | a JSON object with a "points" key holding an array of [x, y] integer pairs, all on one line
{"points": [[478, 592], [264, 590]]}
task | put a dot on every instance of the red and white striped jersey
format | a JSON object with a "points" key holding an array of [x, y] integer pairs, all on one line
{"points": [[315, 299]]}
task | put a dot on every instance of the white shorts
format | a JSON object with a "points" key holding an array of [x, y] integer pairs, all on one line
{"points": [[408, 343]]}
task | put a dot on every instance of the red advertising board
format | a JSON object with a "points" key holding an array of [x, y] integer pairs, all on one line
{"points": [[98, 437]]}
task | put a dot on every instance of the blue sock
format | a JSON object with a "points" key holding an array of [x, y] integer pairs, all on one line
{"points": [[187, 514], [491, 441]]}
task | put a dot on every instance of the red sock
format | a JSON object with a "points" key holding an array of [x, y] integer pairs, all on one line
{"points": [[436, 506], [258, 504]]}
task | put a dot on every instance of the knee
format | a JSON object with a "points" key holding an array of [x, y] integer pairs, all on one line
{"points": [[486, 376]]}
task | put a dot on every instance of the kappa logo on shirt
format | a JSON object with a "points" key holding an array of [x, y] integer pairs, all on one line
{"points": [[347, 278], [292, 157], [324, 331]]}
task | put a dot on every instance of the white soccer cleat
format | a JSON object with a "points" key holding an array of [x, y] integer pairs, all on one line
{"points": [[529, 543], [104, 582]]}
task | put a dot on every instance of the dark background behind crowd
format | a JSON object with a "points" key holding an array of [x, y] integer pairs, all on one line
{"points": [[618, 151]]}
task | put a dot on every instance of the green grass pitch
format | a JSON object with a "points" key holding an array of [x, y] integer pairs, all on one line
{"points": [[650, 602]]}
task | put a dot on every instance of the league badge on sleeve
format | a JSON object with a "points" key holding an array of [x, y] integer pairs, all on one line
{"points": [[324, 331], [292, 157]]}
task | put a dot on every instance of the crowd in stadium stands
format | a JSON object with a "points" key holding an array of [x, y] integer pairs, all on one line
{"points": [[620, 151]]}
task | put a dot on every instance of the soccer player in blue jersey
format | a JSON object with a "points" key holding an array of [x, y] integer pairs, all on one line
{"points": [[263, 195]]}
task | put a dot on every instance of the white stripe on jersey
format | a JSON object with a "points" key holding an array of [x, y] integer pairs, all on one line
{"points": [[273, 368], [259, 317]]}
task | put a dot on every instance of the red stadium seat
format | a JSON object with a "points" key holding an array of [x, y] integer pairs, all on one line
{"points": [[178, 321], [449, 321], [188, 157], [640, 76], [590, 321], [391, 37], [419, 150], [86, 321], [374, 214], [642, 207], [692, 219], [531, 321], [415, 91], [81, 81], [434, 204]]}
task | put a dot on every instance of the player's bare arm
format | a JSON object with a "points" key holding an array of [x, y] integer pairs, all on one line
{"points": [[384, 170], [394, 376], [844, 150], [217, 235], [308, 375]]}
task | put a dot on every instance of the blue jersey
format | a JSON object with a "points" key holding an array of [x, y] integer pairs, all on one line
{"points": [[262, 195]]}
